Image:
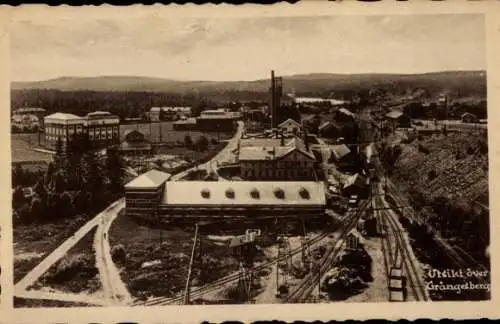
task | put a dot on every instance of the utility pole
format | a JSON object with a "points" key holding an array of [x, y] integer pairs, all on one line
{"points": [[188, 281]]}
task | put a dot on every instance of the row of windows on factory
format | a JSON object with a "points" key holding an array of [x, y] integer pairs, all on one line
{"points": [[78, 129], [141, 202], [290, 173], [92, 137], [280, 164]]}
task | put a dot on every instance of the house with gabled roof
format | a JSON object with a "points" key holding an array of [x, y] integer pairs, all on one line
{"points": [[135, 143], [398, 119], [290, 126], [356, 185], [293, 160]]}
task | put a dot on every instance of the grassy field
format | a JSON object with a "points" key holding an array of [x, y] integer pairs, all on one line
{"points": [[22, 148], [76, 272], [22, 145], [170, 249], [153, 131], [36, 303], [33, 243]]}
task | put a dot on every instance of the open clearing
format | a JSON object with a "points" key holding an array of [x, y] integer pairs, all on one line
{"points": [[22, 146], [32, 243], [76, 272], [152, 132], [157, 259]]}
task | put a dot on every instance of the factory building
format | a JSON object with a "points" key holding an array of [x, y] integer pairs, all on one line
{"points": [[152, 196], [169, 113], [102, 128], [289, 160], [28, 118], [217, 120]]}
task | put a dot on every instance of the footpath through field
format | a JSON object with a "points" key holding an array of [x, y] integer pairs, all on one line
{"points": [[114, 288], [21, 289]]}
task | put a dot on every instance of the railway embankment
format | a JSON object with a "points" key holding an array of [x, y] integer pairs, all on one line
{"points": [[441, 177]]}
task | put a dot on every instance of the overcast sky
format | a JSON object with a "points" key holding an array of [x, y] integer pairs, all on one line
{"points": [[246, 49]]}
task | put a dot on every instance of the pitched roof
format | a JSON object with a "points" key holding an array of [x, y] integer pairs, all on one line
{"points": [[194, 193], [127, 146], [238, 241], [63, 116], [394, 114], [149, 180], [468, 114], [272, 152], [346, 112], [329, 124], [28, 110], [189, 121], [355, 180], [339, 151], [134, 132], [259, 142], [288, 121], [99, 113]]}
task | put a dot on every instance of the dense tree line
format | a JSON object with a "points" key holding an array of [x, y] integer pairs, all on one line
{"points": [[77, 181], [454, 110]]}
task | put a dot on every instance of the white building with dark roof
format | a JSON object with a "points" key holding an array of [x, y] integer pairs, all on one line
{"points": [[290, 160], [102, 128], [152, 195], [290, 126], [398, 118], [144, 194]]}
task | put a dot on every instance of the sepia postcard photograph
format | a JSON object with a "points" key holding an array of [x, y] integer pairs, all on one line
{"points": [[163, 160]]}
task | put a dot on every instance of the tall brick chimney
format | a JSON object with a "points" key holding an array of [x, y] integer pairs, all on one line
{"points": [[273, 101]]}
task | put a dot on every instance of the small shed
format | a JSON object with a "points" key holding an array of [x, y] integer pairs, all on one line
{"points": [[469, 118], [356, 185], [352, 241], [399, 119], [135, 144], [330, 129]]}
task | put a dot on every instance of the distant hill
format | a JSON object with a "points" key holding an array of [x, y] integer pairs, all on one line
{"points": [[469, 82]]}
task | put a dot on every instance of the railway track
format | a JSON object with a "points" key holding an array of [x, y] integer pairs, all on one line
{"points": [[457, 256], [303, 291], [215, 285], [415, 282]]}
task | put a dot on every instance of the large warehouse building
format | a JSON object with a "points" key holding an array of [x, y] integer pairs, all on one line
{"points": [[102, 128], [151, 195]]}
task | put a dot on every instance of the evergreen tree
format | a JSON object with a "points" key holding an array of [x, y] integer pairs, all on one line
{"points": [[41, 191], [18, 176], [188, 142], [59, 157], [49, 174], [18, 198], [202, 144], [115, 170], [65, 205], [59, 181], [92, 175], [37, 209]]}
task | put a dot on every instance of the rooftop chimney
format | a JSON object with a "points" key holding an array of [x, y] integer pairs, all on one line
{"points": [[273, 100], [306, 140]]}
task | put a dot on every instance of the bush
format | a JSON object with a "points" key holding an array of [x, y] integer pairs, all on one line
{"points": [[432, 175], [118, 254], [82, 266], [283, 289]]}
